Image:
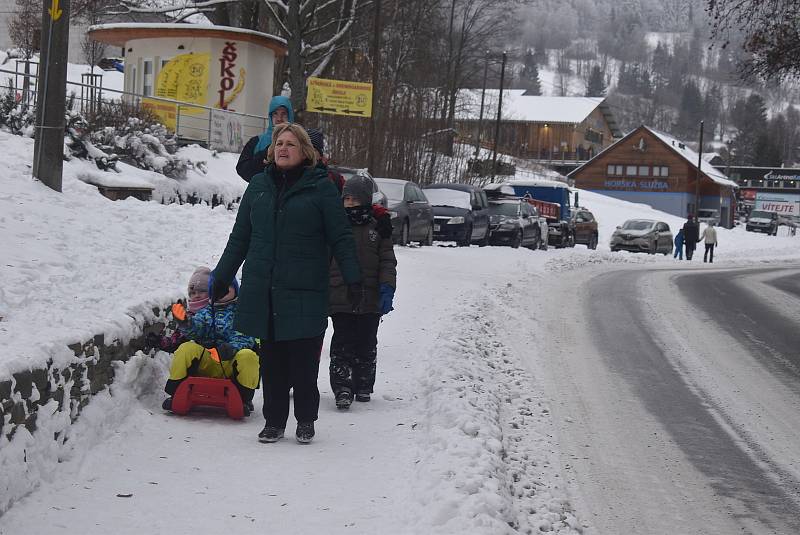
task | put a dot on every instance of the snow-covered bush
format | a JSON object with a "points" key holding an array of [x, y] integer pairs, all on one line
{"points": [[16, 117], [137, 137]]}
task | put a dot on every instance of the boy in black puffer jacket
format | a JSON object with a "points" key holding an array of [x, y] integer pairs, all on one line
{"points": [[355, 332]]}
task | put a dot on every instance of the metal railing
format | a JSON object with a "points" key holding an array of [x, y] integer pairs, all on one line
{"points": [[193, 122]]}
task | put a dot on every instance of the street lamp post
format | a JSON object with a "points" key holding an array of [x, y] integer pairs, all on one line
{"points": [[499, 112]]}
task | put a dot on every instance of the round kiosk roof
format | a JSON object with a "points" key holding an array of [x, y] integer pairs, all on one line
{"points": [[122, 33]]}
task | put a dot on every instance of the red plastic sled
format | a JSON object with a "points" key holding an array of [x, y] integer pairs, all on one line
{"points": [[208, 392]]}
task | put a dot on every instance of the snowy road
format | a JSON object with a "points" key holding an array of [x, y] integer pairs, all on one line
{"points": [[679, 399]]}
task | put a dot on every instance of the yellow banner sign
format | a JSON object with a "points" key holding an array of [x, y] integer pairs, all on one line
{"points": [[183, 78], [339, 97]]}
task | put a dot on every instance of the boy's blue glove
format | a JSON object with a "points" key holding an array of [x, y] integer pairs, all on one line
{"points": [[386, 297]]}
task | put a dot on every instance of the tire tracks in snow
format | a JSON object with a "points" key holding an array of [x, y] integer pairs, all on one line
{"points": [[489, 463]]}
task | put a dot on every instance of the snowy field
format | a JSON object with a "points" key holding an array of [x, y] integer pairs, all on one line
{"points": [[459, 437]]}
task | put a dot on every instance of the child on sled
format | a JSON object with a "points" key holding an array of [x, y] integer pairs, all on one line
{"points": [[212, 347]]}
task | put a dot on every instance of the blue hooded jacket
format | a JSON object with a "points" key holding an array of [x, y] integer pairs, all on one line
{"points": [[265, 139]]}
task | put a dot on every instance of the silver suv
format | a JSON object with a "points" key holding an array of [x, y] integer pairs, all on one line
{"points": [[761, 221]]}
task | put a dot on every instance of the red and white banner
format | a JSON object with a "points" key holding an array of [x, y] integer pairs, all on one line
{"points": [[782, 203]]}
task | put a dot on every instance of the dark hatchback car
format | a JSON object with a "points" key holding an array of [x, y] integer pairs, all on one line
{"points": [[584, 228], [460, 213], [412, 214], [514, 222]]}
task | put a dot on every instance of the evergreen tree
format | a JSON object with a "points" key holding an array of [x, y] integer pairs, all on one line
{"points": [[596, 87], [530, 75], [749, 117], [690, 113]]}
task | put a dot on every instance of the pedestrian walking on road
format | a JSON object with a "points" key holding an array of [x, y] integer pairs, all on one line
{"points": [[679, 245], [691, 235], [710, 237], [290, 221]]}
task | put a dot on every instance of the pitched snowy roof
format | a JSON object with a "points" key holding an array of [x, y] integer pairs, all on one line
{"points": [[680, 148], [691, 156], [520, 107]]}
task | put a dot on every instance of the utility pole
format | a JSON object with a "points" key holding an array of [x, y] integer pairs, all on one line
{"points": [[483, 99], [499, 112], [376, 60], [699, 174], [48, 148]]}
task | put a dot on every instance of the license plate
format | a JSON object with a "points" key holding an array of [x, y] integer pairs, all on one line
{"points": [[437, 228]]}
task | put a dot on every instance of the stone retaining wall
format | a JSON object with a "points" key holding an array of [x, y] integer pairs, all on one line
{"points": [[25, 392]]}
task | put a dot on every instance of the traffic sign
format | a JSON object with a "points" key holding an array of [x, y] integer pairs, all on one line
{"points": [[339, 97]]}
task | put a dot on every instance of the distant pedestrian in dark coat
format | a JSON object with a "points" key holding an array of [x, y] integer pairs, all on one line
{"points": [[679, 245], [289, 223], [355, 331], [253, 156], [691, 235]]}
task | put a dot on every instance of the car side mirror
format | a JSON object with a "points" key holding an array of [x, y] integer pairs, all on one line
{"points": [[619, 226]]}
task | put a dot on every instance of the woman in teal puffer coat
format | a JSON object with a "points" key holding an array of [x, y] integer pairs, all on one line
{"points": [[289, 223]]}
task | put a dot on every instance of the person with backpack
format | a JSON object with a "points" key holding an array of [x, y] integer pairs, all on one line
{"points": [[354, 344], [252, 159], [290, 221]]}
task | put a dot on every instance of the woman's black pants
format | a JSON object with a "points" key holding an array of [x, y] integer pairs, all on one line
{"points": [[285, 365]]}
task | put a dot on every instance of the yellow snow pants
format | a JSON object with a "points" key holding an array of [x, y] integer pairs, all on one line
{"points": [[243, 368]]}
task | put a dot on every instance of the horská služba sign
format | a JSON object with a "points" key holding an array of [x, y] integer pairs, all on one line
{"points": [[649, 185], [339, 97]]}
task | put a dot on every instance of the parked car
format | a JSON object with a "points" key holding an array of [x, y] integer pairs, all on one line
{"points": [[460, 213], [707, 215], [412, 214], [349, 172], [761, 221], [514, 222], [584, 227], [642, 235]]}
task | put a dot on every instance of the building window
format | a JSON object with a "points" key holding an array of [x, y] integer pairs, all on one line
{"points": [[618, 170], [644, 170], [147, 86], [664, 171], [630, 170], [656, 171], [610, 170]]}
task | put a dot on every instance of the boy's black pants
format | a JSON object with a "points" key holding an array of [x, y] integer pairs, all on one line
{"points": [[286, 365], [354, 350]]}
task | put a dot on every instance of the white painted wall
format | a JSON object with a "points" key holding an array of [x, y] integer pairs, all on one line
{"points": [[258, 64]]}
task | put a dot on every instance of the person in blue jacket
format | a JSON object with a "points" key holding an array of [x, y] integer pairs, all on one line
{"points": [[252, 160], [679, 245]]}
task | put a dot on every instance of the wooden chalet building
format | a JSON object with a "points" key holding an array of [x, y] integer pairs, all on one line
{"points": [[536, 127], [650, 167]]}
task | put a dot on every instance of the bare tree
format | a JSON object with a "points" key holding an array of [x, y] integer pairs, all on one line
{"points": [[25, 31], [25, 26], [771, 29]]}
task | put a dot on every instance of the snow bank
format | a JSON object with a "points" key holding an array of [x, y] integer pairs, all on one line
{"points": [[487, 466], [75, 263]]}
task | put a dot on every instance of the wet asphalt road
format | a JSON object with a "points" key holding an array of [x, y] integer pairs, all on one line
{"points": [[734, 486]]}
